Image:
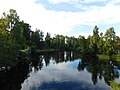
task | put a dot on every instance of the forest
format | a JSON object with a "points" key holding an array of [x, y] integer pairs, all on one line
{"points": [[16, 35]]}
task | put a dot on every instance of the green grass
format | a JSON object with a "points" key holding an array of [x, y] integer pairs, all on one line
{"points": [[103, 57], [107, 57], [117, 57], [24, 50], [114, 86], [46, 50]]}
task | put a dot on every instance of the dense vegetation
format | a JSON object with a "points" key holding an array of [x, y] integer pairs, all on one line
{"points": [[16, 35]]}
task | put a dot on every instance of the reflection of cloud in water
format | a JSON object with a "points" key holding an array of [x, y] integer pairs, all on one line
{"points": [[61, 76]]}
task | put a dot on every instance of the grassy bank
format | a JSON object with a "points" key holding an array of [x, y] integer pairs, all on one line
{"points": [[117, 57], [103, 57], [46, 50], [114, 86], [107, 57]]}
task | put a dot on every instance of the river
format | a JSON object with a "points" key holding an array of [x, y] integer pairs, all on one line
{"points": [[60, 71]]}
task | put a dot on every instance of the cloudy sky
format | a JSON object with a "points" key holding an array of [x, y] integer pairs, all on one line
{"points": [[67, 17]]}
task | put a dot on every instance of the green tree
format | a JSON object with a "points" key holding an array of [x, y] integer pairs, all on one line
{"points": [[53, 43], [94, 40], [16, 28], [117, 45], [3, 34], [56, 42], [82, 44], [48, 40], [27, 31], [110, 40], [62, 42], [17, 34], [71, 43], [35, 38], [101, 44], [12, 18], [7, 45], [41, 35]]}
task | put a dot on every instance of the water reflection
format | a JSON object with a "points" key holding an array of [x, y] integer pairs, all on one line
{"points": [[11, 78], [99, 69], [59, 71]]}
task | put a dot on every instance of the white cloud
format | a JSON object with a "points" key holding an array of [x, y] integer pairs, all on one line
{"points": [[61, 22], [62, 72], [90, 1], [115, 1], [58, 1], [75, 1]]}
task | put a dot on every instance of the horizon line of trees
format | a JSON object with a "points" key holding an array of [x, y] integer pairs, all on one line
{"points": [[16, 35]]}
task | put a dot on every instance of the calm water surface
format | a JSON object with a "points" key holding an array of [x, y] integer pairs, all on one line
{"points": [[60, 71]]}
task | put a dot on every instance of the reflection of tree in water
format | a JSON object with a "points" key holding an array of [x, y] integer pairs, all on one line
{"points": [[98, 69], [11, 79], [47, 59], [37, 62], [59, 57]]}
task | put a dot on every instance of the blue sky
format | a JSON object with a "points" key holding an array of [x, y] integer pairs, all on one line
{"points": [[67, 17]]}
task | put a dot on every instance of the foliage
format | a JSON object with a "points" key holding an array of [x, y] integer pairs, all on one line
{"points": [[16, 35], [101, 44], [83, 44], [114, 86], [71, 43], [94, 41], [103, 57], [110, 39], [48, 41]]}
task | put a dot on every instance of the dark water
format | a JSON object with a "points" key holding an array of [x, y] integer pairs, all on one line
{"points": [[59, 71]]}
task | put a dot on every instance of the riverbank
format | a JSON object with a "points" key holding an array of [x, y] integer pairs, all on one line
{"points": [[47, 50], [114, 85], [107, 57]]}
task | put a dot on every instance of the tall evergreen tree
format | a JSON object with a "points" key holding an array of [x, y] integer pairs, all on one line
{"points": [[94, 40], [110, 39]]}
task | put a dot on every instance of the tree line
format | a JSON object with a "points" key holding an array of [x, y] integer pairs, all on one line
{"points": [[16, 35]]}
